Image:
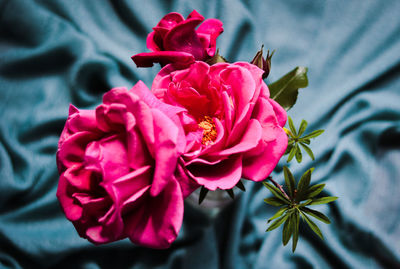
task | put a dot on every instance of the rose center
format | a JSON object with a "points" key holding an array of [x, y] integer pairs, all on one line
{"points": [[209, 130]]}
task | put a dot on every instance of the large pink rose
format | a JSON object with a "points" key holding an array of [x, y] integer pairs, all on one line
{"points": [[233, 129], [175, 39], [117, 166]]}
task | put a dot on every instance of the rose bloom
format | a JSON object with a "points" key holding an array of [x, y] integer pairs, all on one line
{"points": [[116, 166], [233, 129], [175, 39]]}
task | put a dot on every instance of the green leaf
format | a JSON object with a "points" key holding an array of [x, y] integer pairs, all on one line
{"points": [[308, 150], [305, 141], [291, 126], [287, 230], [278, 213], [276, 192], [203, 193], [323, 200], [277, 222], [274, 201], [285, 90], [289, 147], [303, 184], [313, 134], [288, 132], [316, 214], [307, 202], [289, 180], [231, 194], [315, 190], [302, 128], [299, 156], [295, 224], [312, 225], [291, 154], [240, 185]]}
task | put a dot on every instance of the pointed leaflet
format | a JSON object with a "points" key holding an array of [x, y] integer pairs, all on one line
{"points": [[291, 126], [303, 184], [296, 222], [274, 201], [315, 190], [308, 150], [312, 225], [302, 128], [291, 154], [316, 214], [313, 134], [285, 90], [323, 200], [287, 230], [277, 222], [276, 192], [289, 180], [278, 213], [299, 156]]}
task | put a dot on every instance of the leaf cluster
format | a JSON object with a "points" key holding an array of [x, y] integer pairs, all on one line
{"points": [[294, 205], [297, 141]]}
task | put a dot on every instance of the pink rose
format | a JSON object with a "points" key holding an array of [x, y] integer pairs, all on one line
{"points": [[175, 39], [117, 165], [233, 129]]}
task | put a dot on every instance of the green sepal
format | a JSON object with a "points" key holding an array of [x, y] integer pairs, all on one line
{"points": [[240, 185], [203, 194], [323, 200], [316, 214], [285, 90], [217, 58], [277, 223], [231, 193]]}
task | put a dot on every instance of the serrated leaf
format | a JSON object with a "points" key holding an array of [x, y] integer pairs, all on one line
{"points": [[276, 192], [308, 150], [274, 201], [316, 214], [240, 185], [289, 180], [203, 193], [313, 134], [315, 190], [277, 223], [302, 128], [291, 126], [287, 230], [312, 225], [278, 213], [291, 154], [285, 90], [323, 200], [296, 222], [298, 155], [303, 184]]}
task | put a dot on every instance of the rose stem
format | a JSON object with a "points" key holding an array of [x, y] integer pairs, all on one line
{"points": [[279, 187]]}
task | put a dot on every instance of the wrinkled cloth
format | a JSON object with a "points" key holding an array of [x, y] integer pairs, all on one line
{"points": [[53, 53]]}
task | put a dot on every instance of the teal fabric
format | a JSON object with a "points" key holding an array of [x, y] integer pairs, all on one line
{"points": [[53, 53]]}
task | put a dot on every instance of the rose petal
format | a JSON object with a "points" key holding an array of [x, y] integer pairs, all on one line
{"points": [[147, 59]]}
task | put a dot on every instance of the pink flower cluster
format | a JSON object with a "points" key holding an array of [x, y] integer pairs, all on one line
{"points": [[127, 166]]}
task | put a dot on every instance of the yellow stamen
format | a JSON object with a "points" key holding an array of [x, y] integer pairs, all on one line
{"points": [[209, 130]]}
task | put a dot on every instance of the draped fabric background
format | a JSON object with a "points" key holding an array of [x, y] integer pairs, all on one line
{"points": [[53, 53]]}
